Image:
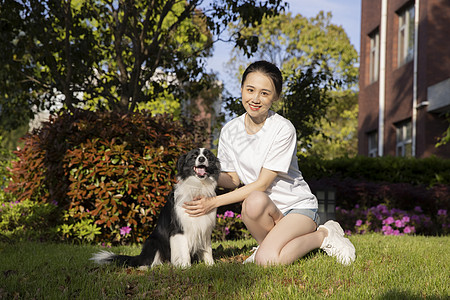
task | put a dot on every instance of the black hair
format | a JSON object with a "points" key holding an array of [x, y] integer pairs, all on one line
{"points": [[268, 69]]}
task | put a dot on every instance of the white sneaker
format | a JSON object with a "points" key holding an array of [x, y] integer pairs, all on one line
{"points": [[251, 258], [335, 244]]}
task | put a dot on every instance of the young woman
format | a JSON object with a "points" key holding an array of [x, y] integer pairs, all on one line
{"points": [[259, 148]]}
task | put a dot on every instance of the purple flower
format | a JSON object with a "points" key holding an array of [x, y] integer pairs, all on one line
{"points": [[227, 231], [125, 230], [379, 216], [405, 219], [415, 218], [442, 212], [358, 223], [228, 214], [418, 209], [382, 208], [388, 220]]}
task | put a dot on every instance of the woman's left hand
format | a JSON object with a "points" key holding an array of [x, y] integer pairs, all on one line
{"points": [[199, 206]]}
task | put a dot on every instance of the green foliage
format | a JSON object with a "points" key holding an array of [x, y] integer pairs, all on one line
{"points": [[5, 164], [416, 171], [28, 220], [110, 168], [338, 134], [297, 42], [110, 55], [445, 138], [306, 101], [79, 229]]}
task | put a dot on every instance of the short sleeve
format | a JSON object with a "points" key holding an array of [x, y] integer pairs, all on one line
{"points": [[224, 153], [283, 150]]}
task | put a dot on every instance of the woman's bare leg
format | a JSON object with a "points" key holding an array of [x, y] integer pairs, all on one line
{"points": [[282, 240]]}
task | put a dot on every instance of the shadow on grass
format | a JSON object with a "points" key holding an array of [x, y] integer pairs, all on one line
{"points": [[405, 295]]}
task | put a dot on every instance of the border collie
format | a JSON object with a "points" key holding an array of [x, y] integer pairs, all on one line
{"points": [[177, 237]]}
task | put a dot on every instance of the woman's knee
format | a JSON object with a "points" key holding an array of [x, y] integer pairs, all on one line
{"points": [[265, 257], [255, 205]]}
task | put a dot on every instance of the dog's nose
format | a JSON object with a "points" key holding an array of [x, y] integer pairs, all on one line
{"points": [[201, 159]]}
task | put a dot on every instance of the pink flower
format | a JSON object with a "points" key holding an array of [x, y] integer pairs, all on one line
{"points": [[387, 230], [388, 220], [228, 214], [405, 219], [409, 229], [358, 223], [227, 231], [399, 223], [396, 232], [125, 230]]}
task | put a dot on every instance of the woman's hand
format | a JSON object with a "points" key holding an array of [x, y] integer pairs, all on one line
{"points": [[199, 206]]}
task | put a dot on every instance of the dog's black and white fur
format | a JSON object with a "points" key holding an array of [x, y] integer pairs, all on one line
{"points": [[177, 237]]}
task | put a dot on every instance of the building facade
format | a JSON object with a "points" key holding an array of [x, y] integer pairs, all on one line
{"points": [[404, 84]]}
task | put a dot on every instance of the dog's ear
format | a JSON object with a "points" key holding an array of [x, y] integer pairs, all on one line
{"points": [[218, 165], [180, 163]]}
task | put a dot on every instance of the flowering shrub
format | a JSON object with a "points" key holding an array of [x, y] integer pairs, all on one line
{"points": [[392, 221], [351, 192], [229, 226]]}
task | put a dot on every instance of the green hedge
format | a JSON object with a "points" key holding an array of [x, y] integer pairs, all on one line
{"points": [[425, 171]]}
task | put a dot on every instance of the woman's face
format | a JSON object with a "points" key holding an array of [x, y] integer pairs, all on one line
{"points": [[258, 94]]}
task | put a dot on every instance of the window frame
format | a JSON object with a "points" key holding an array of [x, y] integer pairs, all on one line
{"points": [[406, 34], [372, 144], [403, 147], [374, 56]]}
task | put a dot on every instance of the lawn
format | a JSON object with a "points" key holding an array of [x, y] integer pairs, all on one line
{"points": [[387, 267]]}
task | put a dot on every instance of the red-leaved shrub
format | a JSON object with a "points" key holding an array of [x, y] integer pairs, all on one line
{"points": [[110, 169]]}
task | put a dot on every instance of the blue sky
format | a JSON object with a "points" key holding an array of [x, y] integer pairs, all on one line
{"points": [[346, 13]]}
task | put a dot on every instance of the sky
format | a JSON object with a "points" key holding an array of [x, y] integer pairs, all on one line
{"points": [[346, 13]]}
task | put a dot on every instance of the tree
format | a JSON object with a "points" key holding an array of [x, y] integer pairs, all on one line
{"points": [[338, 134], [112, 54], [315, 56], [445, 138]]}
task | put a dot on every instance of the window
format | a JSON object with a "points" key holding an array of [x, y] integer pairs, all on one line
{"points": [[404, 140], [373, 144], [374, 56], [406, 34]]}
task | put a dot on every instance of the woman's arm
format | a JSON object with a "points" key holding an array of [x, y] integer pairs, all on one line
{"points": [[202, 206], [228, 180]]}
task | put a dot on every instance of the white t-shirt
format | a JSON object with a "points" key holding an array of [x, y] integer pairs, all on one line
{"points": [[273, 147]]}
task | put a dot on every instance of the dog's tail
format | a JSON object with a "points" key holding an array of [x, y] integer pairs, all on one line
{"points": [[106, 257]]}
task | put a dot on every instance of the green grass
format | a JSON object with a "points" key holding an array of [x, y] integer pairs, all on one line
{"points": [[387, 267]]}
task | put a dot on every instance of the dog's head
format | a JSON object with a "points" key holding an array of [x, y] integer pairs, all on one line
{"points": [[200, 163]]}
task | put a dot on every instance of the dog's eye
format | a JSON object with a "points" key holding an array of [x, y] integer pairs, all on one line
{"points": [[209, 155]]}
